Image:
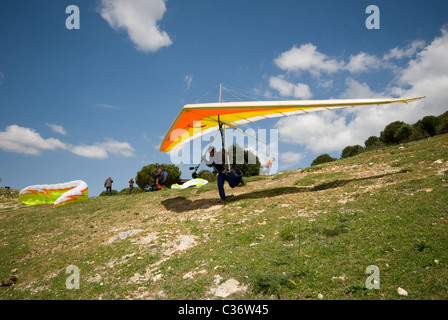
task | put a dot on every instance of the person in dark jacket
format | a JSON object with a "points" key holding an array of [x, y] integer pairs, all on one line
{"points": [[108, 185], [160, 177], [131, 185], [216, 161]]}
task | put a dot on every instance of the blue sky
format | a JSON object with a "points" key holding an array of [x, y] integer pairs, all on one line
{"points": [[96, 101]]}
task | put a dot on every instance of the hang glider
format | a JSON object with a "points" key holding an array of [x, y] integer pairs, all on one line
{"points": [[196, 120]]}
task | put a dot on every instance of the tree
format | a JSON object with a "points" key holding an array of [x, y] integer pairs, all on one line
{"points": [[351, 151], [429, 124], [403, 133], [443, 128], [146, 177], [388, 135], [372, 141], [323, 158]]}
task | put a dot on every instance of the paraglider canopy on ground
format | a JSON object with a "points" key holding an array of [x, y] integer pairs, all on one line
{"points": [[190, 183], [58, 194]]}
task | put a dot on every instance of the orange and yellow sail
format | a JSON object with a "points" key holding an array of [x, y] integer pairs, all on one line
{"points": [[195, 120]]}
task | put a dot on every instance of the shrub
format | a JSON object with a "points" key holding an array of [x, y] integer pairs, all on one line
{"points": [[443, 128], [207, 175], [429, 124], [388, 134], [323, 158], [372, 141], [417, 132], [114, 193], [351, 151], [135, 190], [403, 133]]}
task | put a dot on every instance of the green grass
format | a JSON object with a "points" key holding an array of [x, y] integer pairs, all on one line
{"points": [[290, 236]]}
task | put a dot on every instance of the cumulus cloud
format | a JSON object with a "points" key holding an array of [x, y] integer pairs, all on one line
{"points": [[357, 90], [140, 20], [57, 128], [287, 89], [407, 52], [92, 152], [307, 58], [426, 74], [102, 150], [362, 62], [28, 141], [320, 132], [291, 158], [25, 140]]}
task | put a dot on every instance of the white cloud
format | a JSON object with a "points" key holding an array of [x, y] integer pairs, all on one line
{"points": [[357, 90], [287, 89], [408, 52], [320, 132], [25, 140], [93, 152], [102, 150], [291, 158], [325, 83], [118, 148], [425, 75], [140, 20], [57, 128], [362, 62], [307, 58]]}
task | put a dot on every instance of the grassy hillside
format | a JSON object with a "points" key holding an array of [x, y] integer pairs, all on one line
{"points": [[304, 234]]}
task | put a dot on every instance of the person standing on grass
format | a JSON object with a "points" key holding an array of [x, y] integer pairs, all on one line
{"points": [[131, 185], [269, 165], [161, 176], [108, 185]]}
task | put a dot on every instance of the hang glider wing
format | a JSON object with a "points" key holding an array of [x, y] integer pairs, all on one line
{"points": [[195, 120]]}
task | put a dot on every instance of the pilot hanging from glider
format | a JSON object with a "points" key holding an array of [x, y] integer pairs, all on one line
{"points": [[217, 161], [233, 177]]}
